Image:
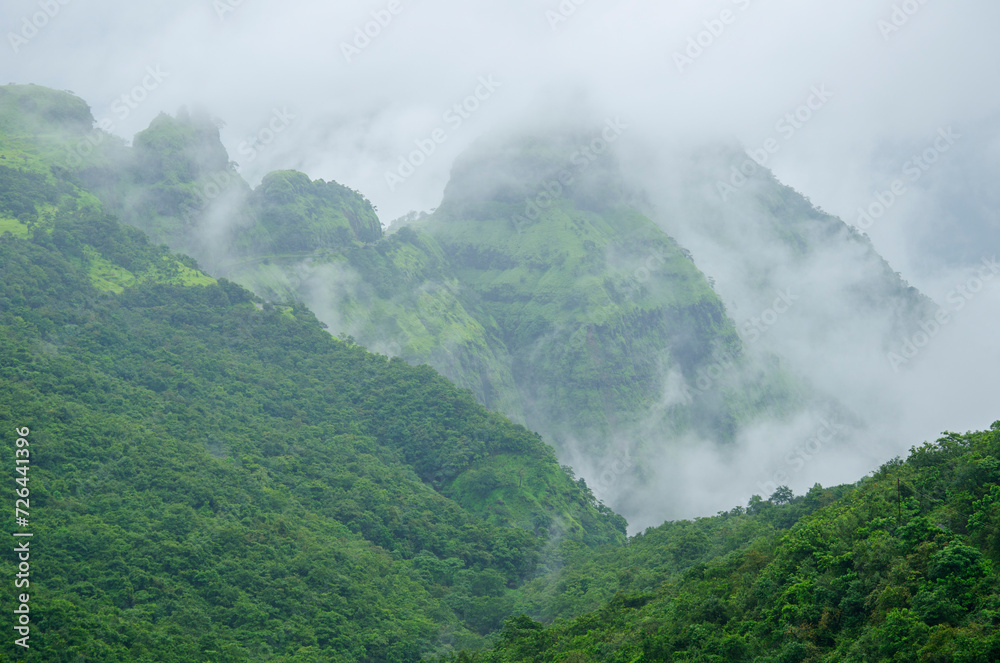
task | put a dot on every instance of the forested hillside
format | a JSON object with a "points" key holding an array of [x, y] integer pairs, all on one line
{"points": [[586, 323], [553, 288], [900, 567], [217, 479]]}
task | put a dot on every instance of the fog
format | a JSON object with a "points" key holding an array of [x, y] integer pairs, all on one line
{"points": [[842, 100]]}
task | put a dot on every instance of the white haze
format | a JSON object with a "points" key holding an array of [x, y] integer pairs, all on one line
{"points": [[246, 62]]}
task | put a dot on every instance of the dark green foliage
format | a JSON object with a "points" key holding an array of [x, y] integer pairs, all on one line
{"points": [[38, 109], [297, 215], [211, 481], [575, 324], [846, 583], [21, 192], [217, 479], [174, 151]]}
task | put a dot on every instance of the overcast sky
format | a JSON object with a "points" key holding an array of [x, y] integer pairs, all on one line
{"points": [[357, 109], [299, 84]]}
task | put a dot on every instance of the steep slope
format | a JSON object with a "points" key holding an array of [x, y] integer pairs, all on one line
{"points": [[541, 286], [900, 568], [292, 239], [396, 295], [588, 324], [213, 478], [758, 238], [605, 317]]}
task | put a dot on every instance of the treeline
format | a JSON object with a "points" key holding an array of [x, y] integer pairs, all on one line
{"points": [[900, 567]]}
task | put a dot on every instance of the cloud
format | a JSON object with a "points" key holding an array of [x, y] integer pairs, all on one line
{"points": [[248, 58]]}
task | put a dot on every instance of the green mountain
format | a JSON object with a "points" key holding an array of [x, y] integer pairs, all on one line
{"points": [[758, 237], [588, 323], [213, 478], [209, 475], [539, 284], [605, 317], [902, 566]]}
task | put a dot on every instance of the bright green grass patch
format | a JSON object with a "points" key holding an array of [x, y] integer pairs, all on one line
{"points": [[105, 275], [14, 227], [192, 277], [22, 153]]}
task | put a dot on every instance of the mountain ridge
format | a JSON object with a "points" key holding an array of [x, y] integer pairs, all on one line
{"points": [[544, 282], [217, 478]]}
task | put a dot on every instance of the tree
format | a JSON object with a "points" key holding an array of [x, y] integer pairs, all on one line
{"points": [[783, 495]]}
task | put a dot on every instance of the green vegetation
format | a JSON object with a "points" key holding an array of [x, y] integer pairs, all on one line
{"points": [[218, 479], [34, 109], [571, 323], [215, 477], [21, 192], [14, 227], [901, 566], [216, 482], [594, 310], [297, 215], [576, 324]]}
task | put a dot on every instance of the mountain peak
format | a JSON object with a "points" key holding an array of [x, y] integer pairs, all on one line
{"points": [[514, 170], [180, 149], [38, 109], [302, 215]]}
